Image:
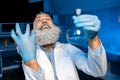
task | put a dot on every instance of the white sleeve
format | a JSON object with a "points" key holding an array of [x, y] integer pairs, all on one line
{"points": [[30, 74], [97, 61], [92, 63]]}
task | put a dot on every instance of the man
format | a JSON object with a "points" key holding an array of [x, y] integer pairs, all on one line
{"points": [[46, 59]]}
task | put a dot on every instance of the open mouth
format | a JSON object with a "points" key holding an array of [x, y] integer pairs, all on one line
{"points": [[45, 27]]}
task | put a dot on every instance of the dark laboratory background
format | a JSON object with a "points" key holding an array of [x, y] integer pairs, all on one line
{"points": [[61, 11]]}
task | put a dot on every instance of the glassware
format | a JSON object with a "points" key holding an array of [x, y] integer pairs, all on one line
{"points": [[77, 35]]}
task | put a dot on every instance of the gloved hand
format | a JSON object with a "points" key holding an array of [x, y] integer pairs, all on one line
{"points": [[90, 23], [25, 43]]}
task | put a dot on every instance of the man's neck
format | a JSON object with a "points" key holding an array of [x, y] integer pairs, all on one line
{"points": [[48, 47]]}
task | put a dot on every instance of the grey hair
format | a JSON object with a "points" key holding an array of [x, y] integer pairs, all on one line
{"points": [[44, 37]]}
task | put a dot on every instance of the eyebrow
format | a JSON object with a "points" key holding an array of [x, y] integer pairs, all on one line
{"points": [[42, 15]]}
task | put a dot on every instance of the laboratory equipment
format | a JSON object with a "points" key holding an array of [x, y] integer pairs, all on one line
{"points": [[77, 35]]}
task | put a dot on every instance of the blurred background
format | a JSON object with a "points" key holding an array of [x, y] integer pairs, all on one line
{"points": [[61, 11]]}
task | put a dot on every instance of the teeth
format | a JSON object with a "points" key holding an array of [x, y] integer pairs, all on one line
{"points": [[45, 26]]}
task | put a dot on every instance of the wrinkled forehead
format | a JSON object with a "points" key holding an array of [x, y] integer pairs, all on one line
{"points": [[42, 15]]}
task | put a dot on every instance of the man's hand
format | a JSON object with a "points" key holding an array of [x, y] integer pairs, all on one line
{"points": [[90, 23], [25, 42]]}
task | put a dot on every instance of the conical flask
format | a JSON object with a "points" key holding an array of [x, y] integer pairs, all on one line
{"points": [[77, 35]]}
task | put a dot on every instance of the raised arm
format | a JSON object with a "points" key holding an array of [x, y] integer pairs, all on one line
{"points": [[26, 46], [95, 63]]}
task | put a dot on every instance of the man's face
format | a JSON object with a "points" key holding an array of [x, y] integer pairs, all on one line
{"points": [[46, 31], [43, 22]]}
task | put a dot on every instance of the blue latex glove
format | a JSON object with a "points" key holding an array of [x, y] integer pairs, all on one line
{"points": [[90, 23], [25, 43]]}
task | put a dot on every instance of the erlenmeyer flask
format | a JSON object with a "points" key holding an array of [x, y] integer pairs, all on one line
{"points": [[77, 35]]}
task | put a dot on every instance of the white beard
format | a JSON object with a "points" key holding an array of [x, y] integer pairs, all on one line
{"points": [[45, 37]]}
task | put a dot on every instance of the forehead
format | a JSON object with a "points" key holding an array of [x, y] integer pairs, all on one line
{"points": [[43, 15]]}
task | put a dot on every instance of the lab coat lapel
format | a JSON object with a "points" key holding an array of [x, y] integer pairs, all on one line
{"points": [[58, 56], [65, 69], [44, 62]]}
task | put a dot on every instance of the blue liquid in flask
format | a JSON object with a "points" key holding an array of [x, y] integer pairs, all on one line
{"points": [[77, 36]]}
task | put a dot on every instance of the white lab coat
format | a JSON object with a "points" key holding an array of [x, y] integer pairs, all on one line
{"points": [[67, 58]]}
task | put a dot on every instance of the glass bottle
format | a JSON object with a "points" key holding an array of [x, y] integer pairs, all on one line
{"points": [[77, 35]]}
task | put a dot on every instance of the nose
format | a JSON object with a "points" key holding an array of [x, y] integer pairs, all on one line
{"points": [[44, 20]]}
